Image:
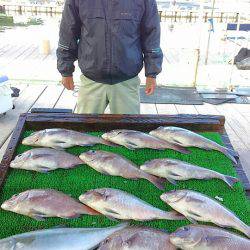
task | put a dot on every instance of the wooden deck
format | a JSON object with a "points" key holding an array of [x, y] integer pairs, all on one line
{"points": [[55, 96]]}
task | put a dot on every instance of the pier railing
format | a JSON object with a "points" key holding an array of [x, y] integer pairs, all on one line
{"points": [[165, 16]]}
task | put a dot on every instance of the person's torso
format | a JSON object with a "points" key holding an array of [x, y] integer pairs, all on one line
{"points": [[110, 44]]}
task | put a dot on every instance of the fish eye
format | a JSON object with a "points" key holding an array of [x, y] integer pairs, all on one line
{"points": [[92, 151], [185, 228]]}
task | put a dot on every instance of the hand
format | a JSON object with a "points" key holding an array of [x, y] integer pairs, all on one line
{"points": [[150, 85], [68, 82]]}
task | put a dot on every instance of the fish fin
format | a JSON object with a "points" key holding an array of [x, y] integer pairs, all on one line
{"points": [[181, 149], [173, 215], [130, 145], [175, 141], [158, 182], [172, 181], [112, 218], [192, 220], [230, 180], [228, 153], [72, 216], [132, 240], [111, 211], [211, 240], [192, 199], [85, 145], [43, 169], [193, 216], [104, 172], [37, 215]]}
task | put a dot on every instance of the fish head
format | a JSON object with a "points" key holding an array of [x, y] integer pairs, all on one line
{"points": [[174, 196], [90, 155], [14, 201], [34, 138], [149, 166], [111, 135], [93, 196], [20, 159], [186, 237]]}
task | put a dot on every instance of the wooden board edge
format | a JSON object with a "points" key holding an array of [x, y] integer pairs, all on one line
{"points": [[11, 148], [238, 168]]}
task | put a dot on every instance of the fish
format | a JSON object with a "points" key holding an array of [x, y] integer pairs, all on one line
{"points": [[58, 138], [200, 237], [187, 138], [44, 160], [137, 238], [116, 165], [43, 203], [60, 238], [199, 207], [132, 139], [176, 170], [117, 204]]}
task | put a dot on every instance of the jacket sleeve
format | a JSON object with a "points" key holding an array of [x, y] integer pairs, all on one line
{"points": [[69, 35], [150, 33]]}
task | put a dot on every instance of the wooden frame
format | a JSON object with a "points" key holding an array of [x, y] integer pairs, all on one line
{"points": [[199, 123]]}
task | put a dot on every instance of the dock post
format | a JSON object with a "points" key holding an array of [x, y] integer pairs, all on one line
{"points": [[160, 13]]}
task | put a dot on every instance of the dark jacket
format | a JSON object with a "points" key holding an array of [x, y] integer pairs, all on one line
{"points": [[110, 38]]}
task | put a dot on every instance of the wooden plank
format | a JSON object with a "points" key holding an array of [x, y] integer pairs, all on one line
{"points": [[235, 139], [236, 122], [109, 122], [22, 104], [67, 100], [186, 109], [49, 97], [166, 109], [3, 148], [148, 108], [206, 109]]}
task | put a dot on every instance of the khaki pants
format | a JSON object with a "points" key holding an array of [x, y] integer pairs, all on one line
{"points": [[123, 98]]}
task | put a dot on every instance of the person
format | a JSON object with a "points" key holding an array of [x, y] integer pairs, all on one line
{"points": [[111, 39]]}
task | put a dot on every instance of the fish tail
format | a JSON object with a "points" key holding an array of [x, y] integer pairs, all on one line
{"points": [[158, 182], [108, 143], [89, 210], [245, 229], [228, 153], [230, 180], [173, 215], [180, 149]]}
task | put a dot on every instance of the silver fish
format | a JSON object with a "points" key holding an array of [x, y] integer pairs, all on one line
{"points": [[132, 139], [175, 170], [187, 138], [59, 239], [199, 237], [199, 207], [118, 204], [137, 238], [116, 165], [62, 138], [42, 203], [44, 160]]}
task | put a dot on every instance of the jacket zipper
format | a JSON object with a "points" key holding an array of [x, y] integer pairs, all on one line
{"points": [[110, 37]]}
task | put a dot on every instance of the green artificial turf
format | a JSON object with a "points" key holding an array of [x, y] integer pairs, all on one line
{"points": [[82, 178]]}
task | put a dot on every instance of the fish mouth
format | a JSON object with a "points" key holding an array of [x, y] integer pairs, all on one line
{"points": [[5, 206], [25, 141], [143, 167]]}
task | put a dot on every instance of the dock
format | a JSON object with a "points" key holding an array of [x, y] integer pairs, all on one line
{"points": [[55, 96], [172, 16]]}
